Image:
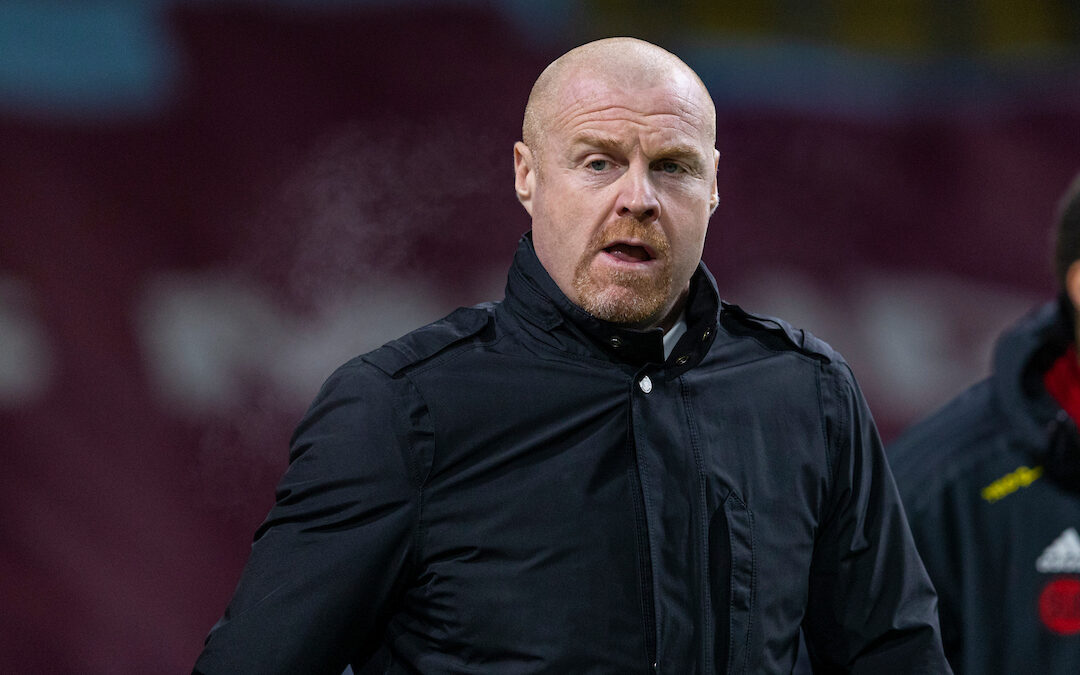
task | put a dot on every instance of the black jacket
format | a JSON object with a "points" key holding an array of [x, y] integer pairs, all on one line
{"points": [[990, 486], [521, 488]]}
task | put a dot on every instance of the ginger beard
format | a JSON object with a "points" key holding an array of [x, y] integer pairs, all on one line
{"points": [[625, 296]]}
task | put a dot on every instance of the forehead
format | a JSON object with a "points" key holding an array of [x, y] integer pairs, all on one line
{"points": [[674, 109]]}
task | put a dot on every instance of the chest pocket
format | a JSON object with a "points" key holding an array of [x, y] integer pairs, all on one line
{"points": [[732, 577]]}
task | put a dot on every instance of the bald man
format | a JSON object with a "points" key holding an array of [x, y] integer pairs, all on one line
{"points": [[610, 471]]}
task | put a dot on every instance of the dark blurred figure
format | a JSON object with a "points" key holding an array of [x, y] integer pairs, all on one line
{"points": [[991, 484]]}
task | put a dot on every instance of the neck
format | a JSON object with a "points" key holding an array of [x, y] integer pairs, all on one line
{"points": [[674, 313]]}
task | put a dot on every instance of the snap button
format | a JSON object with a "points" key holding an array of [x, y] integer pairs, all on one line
{"points": [[682, 359], [615, 341], [646, 384]]}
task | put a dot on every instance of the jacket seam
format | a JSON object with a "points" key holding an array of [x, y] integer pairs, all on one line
{"points": [[802, 351], [830, 459], [703, 536], [771, 354], [832, 445], [447, 355], [753, 588], [420, 532]]}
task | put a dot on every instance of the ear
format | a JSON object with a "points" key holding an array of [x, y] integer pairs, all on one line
{"points": [[524, 175], [714, 198], [1072, 284]]}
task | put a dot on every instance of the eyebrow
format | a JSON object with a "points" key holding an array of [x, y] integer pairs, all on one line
{"points": [[596, 141], [684, 152], [679, 151]]}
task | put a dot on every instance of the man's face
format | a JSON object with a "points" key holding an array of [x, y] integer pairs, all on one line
{"points": [[620, 192]]}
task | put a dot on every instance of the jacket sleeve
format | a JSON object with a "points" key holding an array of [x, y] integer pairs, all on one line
{"points": [[332, 555], [933, 530], [938, 509], [871, 606]]}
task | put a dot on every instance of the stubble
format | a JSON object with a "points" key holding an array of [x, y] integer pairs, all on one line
{"points": [[625, 296]]}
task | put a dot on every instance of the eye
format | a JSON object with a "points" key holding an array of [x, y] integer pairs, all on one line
{"points": [[598, 164], [671, 167]]}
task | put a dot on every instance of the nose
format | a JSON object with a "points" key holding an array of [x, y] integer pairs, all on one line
{"points": [[637, 195]]}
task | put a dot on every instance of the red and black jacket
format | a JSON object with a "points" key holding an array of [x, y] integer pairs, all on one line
{"points": [[991, 485]]}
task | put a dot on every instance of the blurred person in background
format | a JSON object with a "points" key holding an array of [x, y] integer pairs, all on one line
{"points": [[991, 484], [608, 471]]}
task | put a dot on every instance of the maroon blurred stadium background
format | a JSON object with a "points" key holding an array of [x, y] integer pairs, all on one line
{"points": [[206, 206]]}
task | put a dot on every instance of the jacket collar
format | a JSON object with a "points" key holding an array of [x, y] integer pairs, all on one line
{"points": [[534, 297], [1021, 357]]}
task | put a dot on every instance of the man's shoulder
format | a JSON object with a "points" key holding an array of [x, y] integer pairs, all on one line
{"points": [[368, 376], [774, 334], [961, 441], [428, 342], [961, 425]]}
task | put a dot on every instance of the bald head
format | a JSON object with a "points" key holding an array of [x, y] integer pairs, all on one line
{"points": [[627, 63], [617, 169]]}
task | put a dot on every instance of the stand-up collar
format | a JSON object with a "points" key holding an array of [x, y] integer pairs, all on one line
{"points": [[1021, 357], [534, 296]]}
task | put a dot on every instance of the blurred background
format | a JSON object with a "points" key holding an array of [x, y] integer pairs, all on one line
{"points": [[205, 206]]}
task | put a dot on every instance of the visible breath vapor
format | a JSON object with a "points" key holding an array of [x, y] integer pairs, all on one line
{"points": [[368, 205]]}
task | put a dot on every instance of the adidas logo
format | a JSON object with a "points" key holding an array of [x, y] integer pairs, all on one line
{"points": [[1063, 555]]}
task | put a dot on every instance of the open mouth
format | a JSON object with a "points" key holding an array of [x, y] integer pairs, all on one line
{"points": [[627, 252]]}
